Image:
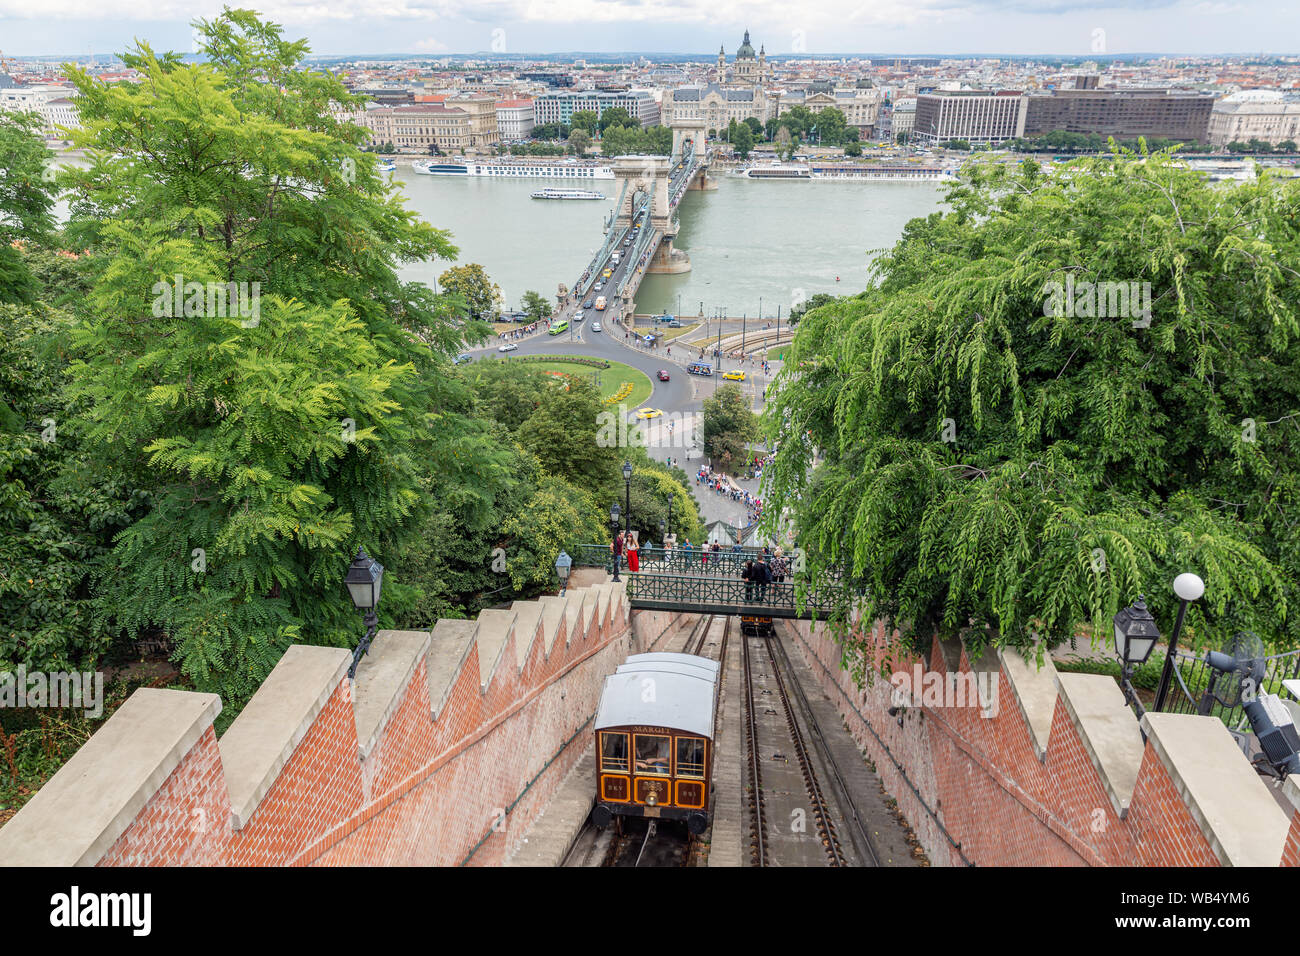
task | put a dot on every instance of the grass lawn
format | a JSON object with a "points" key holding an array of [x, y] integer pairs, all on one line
{"points": [[675, 333], [609, 378], [775, 351]]}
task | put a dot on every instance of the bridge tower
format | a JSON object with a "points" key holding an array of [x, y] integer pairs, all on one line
{"points": [[640, 173]]}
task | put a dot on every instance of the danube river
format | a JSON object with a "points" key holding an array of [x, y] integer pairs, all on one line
{"points": [[747, 240]]}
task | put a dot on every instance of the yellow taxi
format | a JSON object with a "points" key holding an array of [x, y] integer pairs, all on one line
{"points": [[736, 376], [607, 273], [645, 413]]}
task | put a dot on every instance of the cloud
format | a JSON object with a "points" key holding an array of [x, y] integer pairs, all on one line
{"points": [[430, 45]]}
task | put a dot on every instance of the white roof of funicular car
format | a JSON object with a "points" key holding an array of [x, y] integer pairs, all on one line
{"points": [[680, 698]]}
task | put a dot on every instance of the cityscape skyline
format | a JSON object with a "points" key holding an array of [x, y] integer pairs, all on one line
{"points": [[415, 28]]}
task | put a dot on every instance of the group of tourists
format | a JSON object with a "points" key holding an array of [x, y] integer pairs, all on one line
{"points": [[625, 547], [770, 568], [518, 333]]}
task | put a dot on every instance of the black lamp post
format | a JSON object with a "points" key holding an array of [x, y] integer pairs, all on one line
{"points": [[613, 525], [1188, 587], [562, 565], [365, 580], [1135, 637], [627, 495]]}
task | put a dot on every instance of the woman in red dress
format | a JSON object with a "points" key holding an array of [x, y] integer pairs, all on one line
{"points": [[633, 562]]}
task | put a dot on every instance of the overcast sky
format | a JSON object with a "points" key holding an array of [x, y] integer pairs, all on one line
{"points": [[78, 27]]}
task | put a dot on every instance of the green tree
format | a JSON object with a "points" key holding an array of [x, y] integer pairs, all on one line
{"points": [[616, 116], [26, 200], [273, 441], [991, 460], [471, 285], [585, 120], [728, 424], [580, 141], [853, 149], [537, 307], [755, 127], [831, 126], [743, 142]]}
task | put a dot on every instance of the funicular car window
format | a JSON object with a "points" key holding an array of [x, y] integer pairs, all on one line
{"points": [[613, 752], [652, 752], [690, 757]]}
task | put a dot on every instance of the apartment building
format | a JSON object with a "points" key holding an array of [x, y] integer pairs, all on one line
{"points": [[1122, 113], [977, 116], [515, 119], [1255, 114], [559, 107]]}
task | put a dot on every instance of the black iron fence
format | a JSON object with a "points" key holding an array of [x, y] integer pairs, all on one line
{"points": [[679, 560], [1193, 678], [711, 595]]}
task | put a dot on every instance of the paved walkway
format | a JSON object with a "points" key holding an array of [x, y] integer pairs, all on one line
{"points": [[728, 840], [552, 835]]}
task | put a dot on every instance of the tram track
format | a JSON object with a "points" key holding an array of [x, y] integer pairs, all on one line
{"points": [[774, 735]]}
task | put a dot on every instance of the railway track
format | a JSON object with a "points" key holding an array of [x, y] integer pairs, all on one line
{"points": [[781, 790]]}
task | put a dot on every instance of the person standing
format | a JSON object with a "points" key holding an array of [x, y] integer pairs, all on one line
{"points": [[748, 576], [763, 577], [633, 558], [617, 548]]}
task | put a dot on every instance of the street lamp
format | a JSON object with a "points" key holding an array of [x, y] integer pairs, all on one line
{"points": [[1135, 637], [627, 495], [562, 565], [613, 524], [365, 580], [1188, 587]]}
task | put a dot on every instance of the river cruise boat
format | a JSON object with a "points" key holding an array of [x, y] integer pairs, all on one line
{"points": [[560, 192], [522, 170], [775, 171], [885, 174]]}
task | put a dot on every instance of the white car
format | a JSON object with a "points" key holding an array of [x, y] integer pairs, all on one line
{"points": [[508, 347], [595, 326], [578, 317]]}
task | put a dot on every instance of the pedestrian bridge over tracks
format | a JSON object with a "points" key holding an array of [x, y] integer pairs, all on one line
{"points": [[699, 582]]}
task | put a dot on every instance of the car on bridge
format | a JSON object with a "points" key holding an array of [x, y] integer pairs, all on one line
{"points": [[607, 273], [578, 317], [589, 303], [508, 347], [599, 286], [595, 326], [663, 375], [647, 413], [736, 376]]}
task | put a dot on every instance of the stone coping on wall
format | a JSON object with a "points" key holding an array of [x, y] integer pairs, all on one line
{"points": [[1225, 796], [268, 730], [95, 796], [382, 676], [1034, 690], [1109, 734]]}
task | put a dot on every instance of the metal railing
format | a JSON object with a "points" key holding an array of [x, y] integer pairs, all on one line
{"points": [[712, 595], [678, 560], [1193, 677]]}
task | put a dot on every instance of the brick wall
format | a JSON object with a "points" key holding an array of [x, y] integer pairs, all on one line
{"points": [[430, 756], [1059, 774]]}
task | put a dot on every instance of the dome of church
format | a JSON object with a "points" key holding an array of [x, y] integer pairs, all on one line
{"points": [[746, 52]]}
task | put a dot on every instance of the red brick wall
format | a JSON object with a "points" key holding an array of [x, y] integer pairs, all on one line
{"points": [[963, 778], [460, 789]]}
